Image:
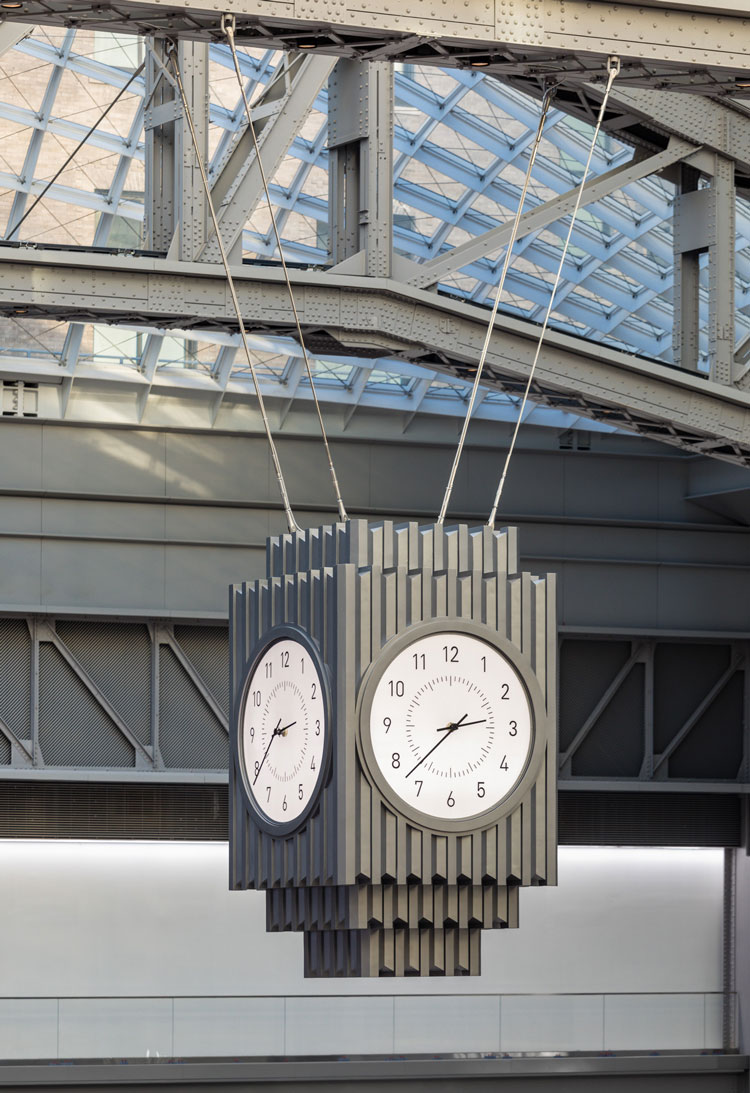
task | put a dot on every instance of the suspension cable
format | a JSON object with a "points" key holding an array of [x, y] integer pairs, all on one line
{"points": [[613, 68], [228, 26], [548, 96], [77, 149], [172, 54]]}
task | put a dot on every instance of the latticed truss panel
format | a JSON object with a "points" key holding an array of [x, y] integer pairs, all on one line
{"points": [[461, 148]]}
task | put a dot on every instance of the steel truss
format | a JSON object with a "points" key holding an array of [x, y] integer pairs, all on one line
{"points": [[445, 229], [150, 703]]}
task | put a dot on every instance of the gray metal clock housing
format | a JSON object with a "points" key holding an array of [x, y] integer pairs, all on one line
{"points": [[359, 590]]}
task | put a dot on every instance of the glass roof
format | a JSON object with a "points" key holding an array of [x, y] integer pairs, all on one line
{"points": [[462, 142]]}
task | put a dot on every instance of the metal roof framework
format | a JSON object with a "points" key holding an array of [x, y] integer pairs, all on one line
{"points": [[461, 142]]}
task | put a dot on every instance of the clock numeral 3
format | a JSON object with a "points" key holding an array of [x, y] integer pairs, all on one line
{"points": [[513, 730], [317, 728]]}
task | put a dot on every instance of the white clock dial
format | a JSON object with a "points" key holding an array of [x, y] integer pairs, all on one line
{"points": [[450, 725], [283, 731]]}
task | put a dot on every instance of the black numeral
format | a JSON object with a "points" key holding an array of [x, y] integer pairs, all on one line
{"points": [[302, 666], [420, 784], [513, 730], [256, 698], [268, 794], [506, 688], [480, 789], [257, 768], [387, 723], [419, 659], [300, 792], [283, 803], [252, 733], [397, 688], [269, 669], [451, 800], [312, 763], [395, 760], [451, 653], [317, 728], [284, 657], [484, 664], [504, 763], [313, 690]]}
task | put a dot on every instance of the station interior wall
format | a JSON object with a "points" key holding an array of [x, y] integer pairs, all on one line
{"points": [[139, 948]]}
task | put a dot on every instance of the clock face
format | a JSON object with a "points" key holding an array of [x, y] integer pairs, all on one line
{"points": [[450, 726], [284, 731]]}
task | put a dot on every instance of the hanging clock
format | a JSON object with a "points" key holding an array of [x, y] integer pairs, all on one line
{"points": [[447, 723], [284, 733]]}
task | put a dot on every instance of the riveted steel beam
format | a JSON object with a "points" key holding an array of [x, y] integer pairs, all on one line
{"points": [[370, 317], [666, 45]]}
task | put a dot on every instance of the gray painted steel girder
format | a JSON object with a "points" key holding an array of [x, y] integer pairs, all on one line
{"points": [[665, 44], [377, 316]]}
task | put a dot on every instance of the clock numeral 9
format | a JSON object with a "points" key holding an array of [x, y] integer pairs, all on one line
{"points": [[252, 733], [300, 792], [396, 688], [451, 800], [513, 730], [387, 723], [480, 789], [451, 653], [395, 760]]}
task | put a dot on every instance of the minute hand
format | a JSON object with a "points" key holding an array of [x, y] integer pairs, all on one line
{"points": [[450, 730]]}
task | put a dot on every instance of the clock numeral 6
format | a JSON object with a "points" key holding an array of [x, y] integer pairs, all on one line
{"points": [[284, 804], [395, 760], [480, 789], [451, 800], [513, 730]]}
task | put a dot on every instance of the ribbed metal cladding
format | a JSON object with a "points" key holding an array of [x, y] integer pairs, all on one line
{"points": [[75, 810], [15, 673], [190, 736], [83, 810], [387, 579], [403, 898], [629, 818]]}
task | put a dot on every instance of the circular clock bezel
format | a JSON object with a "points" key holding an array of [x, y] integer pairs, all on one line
{"points": [[537, 707], [272, 637]]}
